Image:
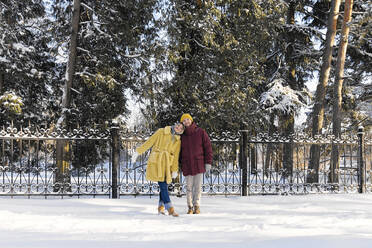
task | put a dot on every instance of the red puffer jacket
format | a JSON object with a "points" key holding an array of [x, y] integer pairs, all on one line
{"points": [[196, 150]]}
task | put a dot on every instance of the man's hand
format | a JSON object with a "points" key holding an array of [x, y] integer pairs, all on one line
{"points": [[174, 174], [208, 170]]}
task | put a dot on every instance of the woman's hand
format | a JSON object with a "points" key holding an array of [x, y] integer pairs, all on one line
{"points": [[134, 157]]}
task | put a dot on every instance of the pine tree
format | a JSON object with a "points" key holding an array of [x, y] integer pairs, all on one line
{"points": [[103, 60], [337, 87], [111, 54], [25, 64], [291, 64], [357, 90], [216, 60], [318, 109]]}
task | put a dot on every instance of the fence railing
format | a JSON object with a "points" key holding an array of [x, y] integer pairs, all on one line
{"points": [[276, 164], [89, 162]]}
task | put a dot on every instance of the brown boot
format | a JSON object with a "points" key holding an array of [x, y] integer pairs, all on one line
{"points": [[161, 210], [196, 210], [172, 212], [190, 211]]}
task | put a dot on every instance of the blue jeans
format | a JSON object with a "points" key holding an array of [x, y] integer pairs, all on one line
{"points": [[164, 195]]}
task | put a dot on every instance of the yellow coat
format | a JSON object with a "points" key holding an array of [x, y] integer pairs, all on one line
{"points": [[163, 159]]}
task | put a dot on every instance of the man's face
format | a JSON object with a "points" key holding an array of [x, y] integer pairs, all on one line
{"points": [[187, 122]]}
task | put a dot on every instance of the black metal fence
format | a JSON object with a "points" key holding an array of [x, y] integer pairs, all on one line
{"points": [[268, 171], [98, 163]]}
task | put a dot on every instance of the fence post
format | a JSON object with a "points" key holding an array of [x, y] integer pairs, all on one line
{"points": [[115, 146], [243, 162], [361, 168]]}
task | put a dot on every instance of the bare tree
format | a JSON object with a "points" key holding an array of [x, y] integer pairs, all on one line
{"points": [[318, 109], [337, 89]]}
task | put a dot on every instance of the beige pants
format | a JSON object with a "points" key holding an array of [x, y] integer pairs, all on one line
{"points": [[193, 189]]}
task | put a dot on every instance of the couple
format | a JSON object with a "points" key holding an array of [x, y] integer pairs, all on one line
{"points": [[184, 142]]}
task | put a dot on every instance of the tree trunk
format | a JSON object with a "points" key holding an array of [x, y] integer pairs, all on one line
{"points": [[287, 119], [252, 155], [318, 109], [270, 147], [288, 127], [2, 76], [62, 150], [66, 101], [337, 89]]}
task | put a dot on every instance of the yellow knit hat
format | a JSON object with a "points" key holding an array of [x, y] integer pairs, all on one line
{"points": [[186, 116]]}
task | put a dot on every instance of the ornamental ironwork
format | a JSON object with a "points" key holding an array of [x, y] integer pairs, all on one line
{"points": [[259, 164]]}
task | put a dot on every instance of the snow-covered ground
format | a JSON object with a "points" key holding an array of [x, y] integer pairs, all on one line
{"points": [[343, 220]]}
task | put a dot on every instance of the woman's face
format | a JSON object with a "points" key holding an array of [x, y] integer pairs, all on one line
{"points": [[179, 128]]}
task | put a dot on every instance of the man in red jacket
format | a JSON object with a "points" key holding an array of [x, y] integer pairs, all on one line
{"points": [[196, 158]]}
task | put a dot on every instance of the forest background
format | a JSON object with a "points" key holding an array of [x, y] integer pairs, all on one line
{"points": [[232, 64]]}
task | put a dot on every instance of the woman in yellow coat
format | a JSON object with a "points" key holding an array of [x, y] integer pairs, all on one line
{"points": [[162, 164]]}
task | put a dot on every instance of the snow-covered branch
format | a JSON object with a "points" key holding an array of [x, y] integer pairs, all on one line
{"points": [[131, 55], [280, 98], [86, 6], [201, 45], [361, 52]]}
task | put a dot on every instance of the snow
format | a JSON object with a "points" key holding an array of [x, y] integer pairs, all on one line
{"points": [[365, 108], [342, 220], [280, 98], [3, 59], [23, 48]]}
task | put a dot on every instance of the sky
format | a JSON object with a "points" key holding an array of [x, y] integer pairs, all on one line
{"points": [[323, 220]]}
